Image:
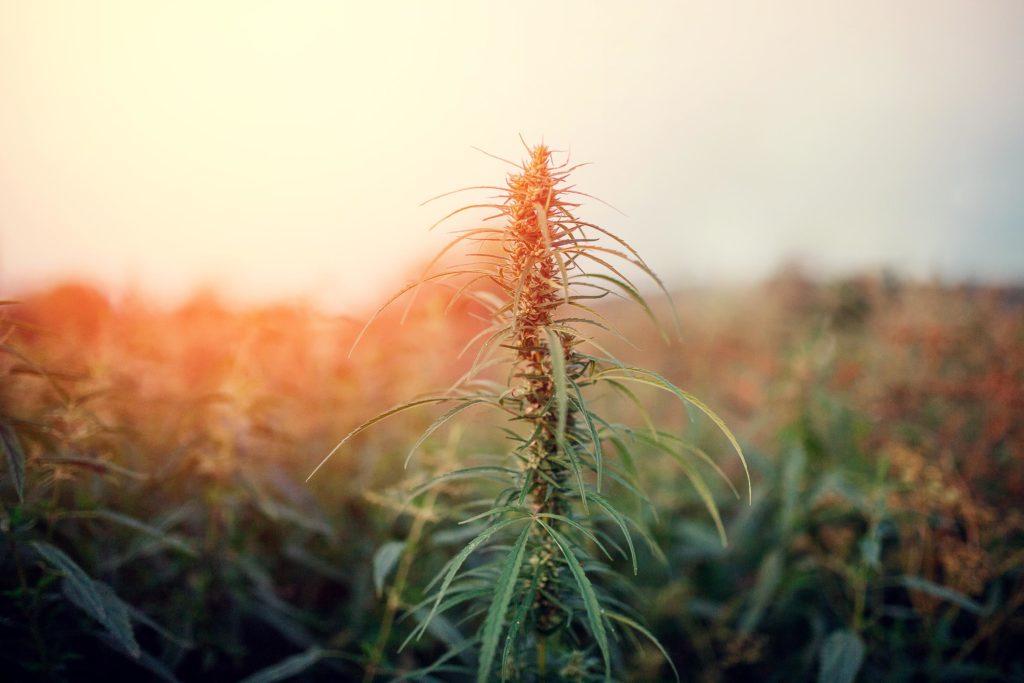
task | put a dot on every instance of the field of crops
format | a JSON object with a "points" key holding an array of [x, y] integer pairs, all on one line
{"points": [[157, 524]]}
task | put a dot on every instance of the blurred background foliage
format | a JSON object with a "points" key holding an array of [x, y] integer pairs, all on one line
{"points": [[156, 523]]}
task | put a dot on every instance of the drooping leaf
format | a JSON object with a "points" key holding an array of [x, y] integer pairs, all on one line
{"points": [[619, 519], [517, 623], [939, 591], [89, 598], [503, 592], [841, 657], [456, 564], [374, 420], [15, 458], [92, 597], [118, 618], [287, 668], [484, 471], [384, 561], [436, 424], [653, 379], [595, 617], [623, 619]]}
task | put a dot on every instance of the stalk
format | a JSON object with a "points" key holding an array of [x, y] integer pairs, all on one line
{"points": [[531, 277]]}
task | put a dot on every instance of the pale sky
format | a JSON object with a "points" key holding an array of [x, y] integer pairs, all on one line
{"points": [[281, 149]]}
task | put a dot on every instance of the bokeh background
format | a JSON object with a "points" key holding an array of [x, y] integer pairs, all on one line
{"points": [[201, 203], [276, 151]]}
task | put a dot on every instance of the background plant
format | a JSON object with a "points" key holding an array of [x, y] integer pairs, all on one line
{"points": [[164, 450]]}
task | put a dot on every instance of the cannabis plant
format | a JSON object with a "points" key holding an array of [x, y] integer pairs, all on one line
{"points": [[529, 576]]}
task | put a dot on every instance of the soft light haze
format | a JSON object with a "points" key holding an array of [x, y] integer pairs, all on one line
{"points": [[281, 149]]}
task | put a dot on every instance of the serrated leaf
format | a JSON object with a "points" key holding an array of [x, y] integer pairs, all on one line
{"points": [[287, 668], [499, 606], [456, 564], [94, 598], [841, 657], [384, 561], [15, 459], [516, 624], [118, 618], [593, 606], [89, 598]]}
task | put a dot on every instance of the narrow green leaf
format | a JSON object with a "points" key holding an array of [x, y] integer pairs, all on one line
{"points": [[630, 291], [501, 509], [595, 438], [622, 619], [91, 601], [939, 591], [128, 522], [118, 617], [517, 623], [705, 495], [595, 616], [439, 422], [619, 519], [769, 575], [456, 564], [660, 382], [841, 657], [557, 354], [384, 560], [582, 529], [15, 459], [499, 606], [92, 597], [699, 484], [287, 668], [374, 420], [484, 471], [561, 382], [644, 415]]}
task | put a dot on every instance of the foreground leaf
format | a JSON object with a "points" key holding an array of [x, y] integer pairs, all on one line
{"points": [[499, 606], [15, 459], [94, 598], [593, 606]]}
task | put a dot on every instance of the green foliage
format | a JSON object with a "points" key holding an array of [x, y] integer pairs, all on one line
{"points": [[154, 524], [538, 268]]}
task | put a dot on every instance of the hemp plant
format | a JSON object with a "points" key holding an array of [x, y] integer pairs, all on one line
{"points": [[527, 578]]}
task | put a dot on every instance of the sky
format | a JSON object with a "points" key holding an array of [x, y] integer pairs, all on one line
{"points": [[281, 150]]}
